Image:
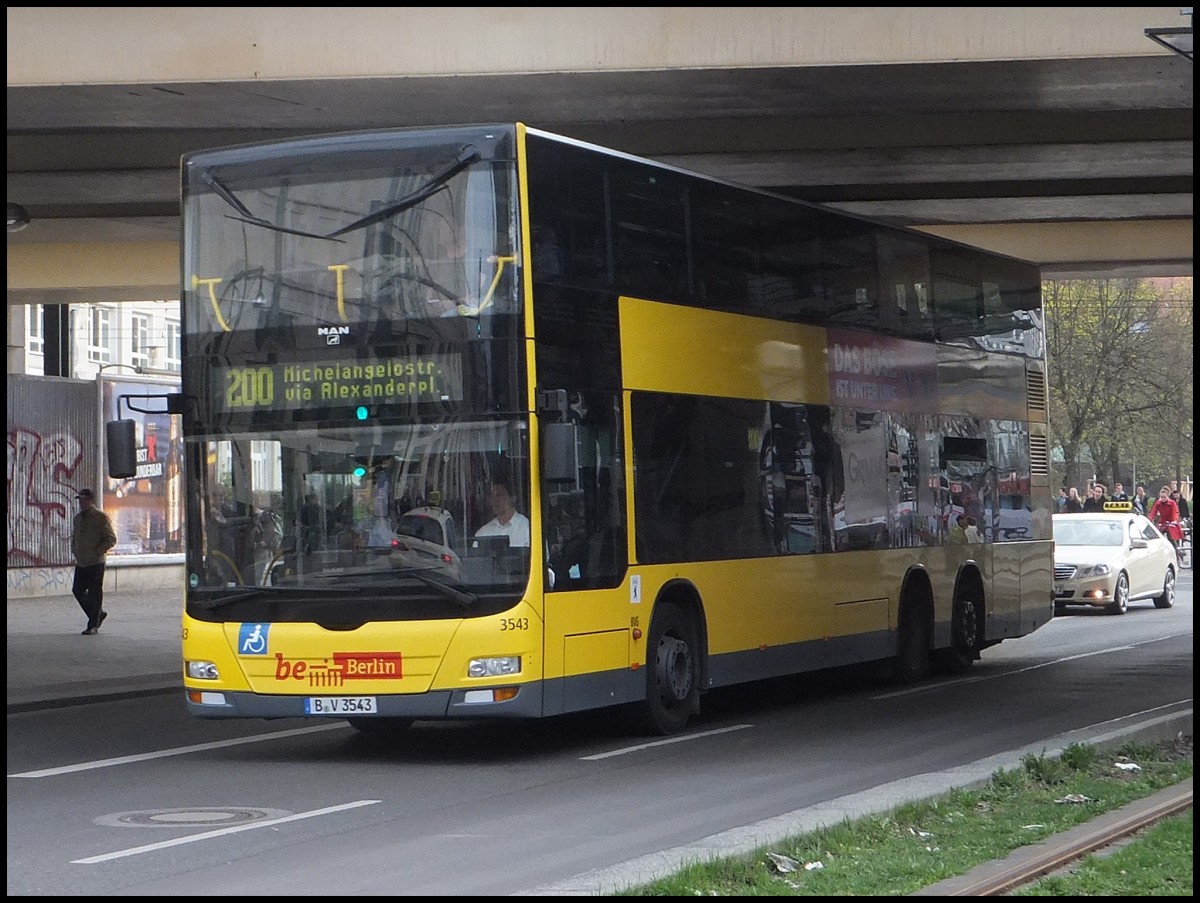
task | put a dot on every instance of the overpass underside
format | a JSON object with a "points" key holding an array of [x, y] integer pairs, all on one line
{"points": [[1063, 135]]}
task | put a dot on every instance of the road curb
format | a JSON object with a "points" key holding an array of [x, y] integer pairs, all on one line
{"points": [[99, 691]]}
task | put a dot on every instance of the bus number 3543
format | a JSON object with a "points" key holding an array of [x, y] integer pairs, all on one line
{"points": [[250, 387]]}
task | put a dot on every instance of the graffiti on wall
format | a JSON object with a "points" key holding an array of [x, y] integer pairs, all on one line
{"points": [[40, 581], [44, 473]]}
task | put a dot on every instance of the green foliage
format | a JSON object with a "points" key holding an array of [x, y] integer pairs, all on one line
{"points": [[918, 844], [1079, 757], [1119, 368], [1046, 769], [1159, 864]]}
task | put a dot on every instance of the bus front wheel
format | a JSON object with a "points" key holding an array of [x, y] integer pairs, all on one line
{"points": [[672, 672]]}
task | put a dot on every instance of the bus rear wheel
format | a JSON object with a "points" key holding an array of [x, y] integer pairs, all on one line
{"points": [[672, 672], [964, 639]]}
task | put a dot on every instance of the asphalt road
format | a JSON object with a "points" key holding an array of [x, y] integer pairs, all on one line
{"points": [[136, 797]]}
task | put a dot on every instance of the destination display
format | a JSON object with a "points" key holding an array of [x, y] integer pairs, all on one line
{"points": [[411, 379]]}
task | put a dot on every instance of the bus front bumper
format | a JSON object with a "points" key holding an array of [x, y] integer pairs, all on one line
{"points": [[435, 705]]}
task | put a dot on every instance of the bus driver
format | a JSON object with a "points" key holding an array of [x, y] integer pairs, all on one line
{"points": [[508, 520]]}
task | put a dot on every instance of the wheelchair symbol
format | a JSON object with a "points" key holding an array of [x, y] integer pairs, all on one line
{"points": [[253, 639]]}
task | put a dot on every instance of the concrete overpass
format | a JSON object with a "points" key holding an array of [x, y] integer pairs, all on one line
{"points": [[1062, 135]]}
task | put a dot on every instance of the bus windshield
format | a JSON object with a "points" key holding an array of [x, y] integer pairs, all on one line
{"points": [[399, 512], [351, 238], [355, 377]]}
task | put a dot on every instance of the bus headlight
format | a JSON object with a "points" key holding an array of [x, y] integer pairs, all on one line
{"points": [[203, 671], [494, 667]]}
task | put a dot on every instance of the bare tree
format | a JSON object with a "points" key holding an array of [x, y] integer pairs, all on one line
{"points": [[1120, 374]]}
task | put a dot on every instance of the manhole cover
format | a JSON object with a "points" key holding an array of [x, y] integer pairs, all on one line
{"points": [[190, 817]]}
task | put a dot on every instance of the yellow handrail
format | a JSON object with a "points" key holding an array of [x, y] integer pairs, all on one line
{"points": [[488, 298], [212, 299]]}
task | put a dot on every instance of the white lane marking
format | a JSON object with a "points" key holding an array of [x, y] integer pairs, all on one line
{"points": [[178, 751], [220, 832], [632, 749], [959, 681]]}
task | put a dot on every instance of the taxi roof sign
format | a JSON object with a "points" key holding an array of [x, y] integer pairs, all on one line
{"points": [[1118, 506]]}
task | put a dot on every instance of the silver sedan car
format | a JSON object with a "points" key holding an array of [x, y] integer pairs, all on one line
{"points": [[1109, 560]]}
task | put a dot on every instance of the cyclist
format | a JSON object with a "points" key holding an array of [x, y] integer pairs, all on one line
{"points": [[1165, 515]]}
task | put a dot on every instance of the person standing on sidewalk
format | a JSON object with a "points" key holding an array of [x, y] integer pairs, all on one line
{"points": [[92, 536]]}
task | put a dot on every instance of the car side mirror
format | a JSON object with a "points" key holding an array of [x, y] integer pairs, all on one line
{"points": [[1139, 544]]}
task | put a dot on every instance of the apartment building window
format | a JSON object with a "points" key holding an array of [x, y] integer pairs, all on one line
{"points": [[173, 353], [35, 329], [139, 340], [100, 337]]}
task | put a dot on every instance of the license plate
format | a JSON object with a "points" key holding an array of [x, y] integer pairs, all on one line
{"points": [[1058, 589], [340, 705]]}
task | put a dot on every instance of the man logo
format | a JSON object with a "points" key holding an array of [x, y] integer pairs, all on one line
{"points": [[333, 334]]}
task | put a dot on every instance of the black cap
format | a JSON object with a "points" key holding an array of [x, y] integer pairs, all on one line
{"points": [[85, 494]]}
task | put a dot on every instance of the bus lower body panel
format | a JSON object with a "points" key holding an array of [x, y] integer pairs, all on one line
{"points": [[434, 705]]}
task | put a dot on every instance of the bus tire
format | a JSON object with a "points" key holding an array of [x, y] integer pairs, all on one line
{"points": [[913, 657], [964, 639], [672, 672], [380, 727]]}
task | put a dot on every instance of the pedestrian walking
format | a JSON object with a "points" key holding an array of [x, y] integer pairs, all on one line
{"points": [[92, 536], [1074, 505]]}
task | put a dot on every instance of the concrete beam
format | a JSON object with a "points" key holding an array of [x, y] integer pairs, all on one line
{"points": [[149, 270], [96, 273], [59, 45], [1084, 250]]}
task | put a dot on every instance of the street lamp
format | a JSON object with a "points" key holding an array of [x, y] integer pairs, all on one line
{"points": [[1177, 40]]}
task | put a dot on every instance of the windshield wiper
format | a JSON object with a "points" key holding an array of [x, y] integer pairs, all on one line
{"points": [[250, 592], [223, 192], [463, 598], [466, 157], [364, 578]]}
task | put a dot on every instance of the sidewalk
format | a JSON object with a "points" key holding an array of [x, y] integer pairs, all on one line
{"points": [[51, 664]]}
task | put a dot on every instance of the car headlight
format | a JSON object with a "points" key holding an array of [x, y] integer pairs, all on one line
{"points": [[1096, 570]]}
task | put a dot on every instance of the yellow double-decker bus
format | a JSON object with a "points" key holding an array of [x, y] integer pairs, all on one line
{"points": [[484, 422]]}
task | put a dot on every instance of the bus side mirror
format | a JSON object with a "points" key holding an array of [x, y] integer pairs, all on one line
{"points": [[560, 462], [120, 448]]}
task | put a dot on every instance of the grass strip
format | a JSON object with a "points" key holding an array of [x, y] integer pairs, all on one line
{"points": [[917, 844]]}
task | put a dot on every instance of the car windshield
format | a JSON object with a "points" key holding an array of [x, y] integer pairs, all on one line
{"points": [[1088, 533]]}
